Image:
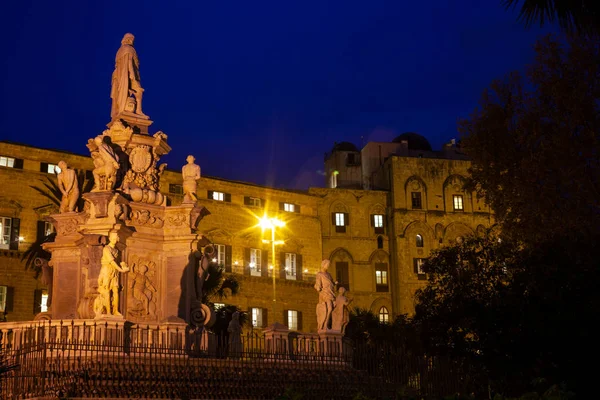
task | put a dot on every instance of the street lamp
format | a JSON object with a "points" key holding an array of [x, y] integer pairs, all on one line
{"points": [[272, 224]]}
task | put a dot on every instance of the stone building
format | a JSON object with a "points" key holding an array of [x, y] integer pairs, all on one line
{"points": [[375, 238]]}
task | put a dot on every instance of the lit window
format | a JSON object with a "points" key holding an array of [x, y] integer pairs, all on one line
{"points": [[44, 303], [458, 202], [416, 200], [384, 315], [292, 320], [339, 219], [378, 221], [255, 262], [220, 254], [290, 266], [257, 317], [419, 266], [218, 196], [218, 305], [419, 241], [48, 228], [381, 277], [5, 227], [254, 201], [53, 169], [7, 162], [288, 207], [3, 295]]}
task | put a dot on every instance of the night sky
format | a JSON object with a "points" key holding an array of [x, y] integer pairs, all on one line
{"points": [[257, 91]]}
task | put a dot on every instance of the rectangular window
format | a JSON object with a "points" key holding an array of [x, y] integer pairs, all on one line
{"points": [[457, 200], [5, 230], [175, 188], [255, 262], [418, 268], [288, 207], [381, 277], [377, 220], [416, 200], [257, 317], [219, 257], [48, 228], [255, 202], [52, 169], [292, 320], [7, 162], [44, 302], [3, 296], [219, 196], [290, 266], [339, 219]]}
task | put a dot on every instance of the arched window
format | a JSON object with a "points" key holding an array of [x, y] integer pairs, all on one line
{"points": [[379, 242], [384, 315], [419, 241]]}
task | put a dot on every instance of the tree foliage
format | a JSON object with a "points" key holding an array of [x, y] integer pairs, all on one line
{"points": [[534, 143], [581, 16]]}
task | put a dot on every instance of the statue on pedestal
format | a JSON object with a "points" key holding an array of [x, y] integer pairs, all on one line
{"points": [[340, 316], [126, 80], [107, 301], [190, 173], [69, 187], [106, 164], [325, 286]]}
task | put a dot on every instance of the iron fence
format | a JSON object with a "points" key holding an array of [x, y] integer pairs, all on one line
{"points": [[92, 359]]}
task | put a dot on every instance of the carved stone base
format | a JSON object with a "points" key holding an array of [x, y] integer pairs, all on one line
{"points": [[109, 317], [139, 123], [99, 202]]}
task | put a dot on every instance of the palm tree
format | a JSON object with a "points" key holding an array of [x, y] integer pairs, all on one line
{"points": [[579, 16], [51, 191], [218, 287]]}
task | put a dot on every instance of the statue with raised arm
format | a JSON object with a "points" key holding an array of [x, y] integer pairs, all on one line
{"points": [[106, 164], [190, 173], [126, 80], [107, 301], [69, 187], [325, 285]]}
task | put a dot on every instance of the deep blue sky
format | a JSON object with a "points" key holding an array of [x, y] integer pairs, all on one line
{"points": [[257, 91]]}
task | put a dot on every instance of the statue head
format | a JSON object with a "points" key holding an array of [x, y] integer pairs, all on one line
{"points": [[62, 165], [190, 159], [128, 39], [324, 265], [342, 290], [113, 237]]}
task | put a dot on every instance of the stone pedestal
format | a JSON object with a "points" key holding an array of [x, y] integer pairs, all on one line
{"points": [[331, 344], [277, 341], [139, 123]]}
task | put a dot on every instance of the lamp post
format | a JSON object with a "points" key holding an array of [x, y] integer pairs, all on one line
{"points": [[272, 224]]}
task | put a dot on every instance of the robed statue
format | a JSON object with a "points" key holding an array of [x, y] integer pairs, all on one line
{"points": [[126, 80], [325, 285]]}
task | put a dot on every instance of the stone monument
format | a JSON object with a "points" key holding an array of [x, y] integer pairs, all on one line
{"points": [[340, 315], [126, 255]]}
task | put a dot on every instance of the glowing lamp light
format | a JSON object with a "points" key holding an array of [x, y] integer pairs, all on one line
{"points": [[252, 265], [214, 260], [270, 223], [270, 267], [235, 262], [305, 271], [21, 239]]}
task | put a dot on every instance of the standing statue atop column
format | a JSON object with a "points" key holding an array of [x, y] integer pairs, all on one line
{"points": [[325, 286], [190, 173], [108, 279], [126, 80], [69, 187]]}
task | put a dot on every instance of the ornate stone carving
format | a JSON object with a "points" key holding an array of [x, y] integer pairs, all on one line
{"points": [[340, 316], [325, 286], [143, 289], [107, 302], [126, 80], [145, 217], [67, 227], [69, 187], [177, 219], [140, 159], [415, 185]]}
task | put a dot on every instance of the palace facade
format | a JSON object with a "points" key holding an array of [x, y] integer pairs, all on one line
{"points": [[385, 208]]}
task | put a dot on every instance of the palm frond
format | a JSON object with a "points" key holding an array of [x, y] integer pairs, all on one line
{"points": [[50, 191], [229, 285], [37, 251]]}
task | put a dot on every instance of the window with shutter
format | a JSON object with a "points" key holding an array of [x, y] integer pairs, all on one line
{"points": [[381, 277], [3, 297], [5, 232], [265, 263], [7, 162], [342, 275], [292, 320], [257, 317], [290, 266], [377, 220], [416, 200], [340, 221], [255, 262], [14, 234], [418, 268]]}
